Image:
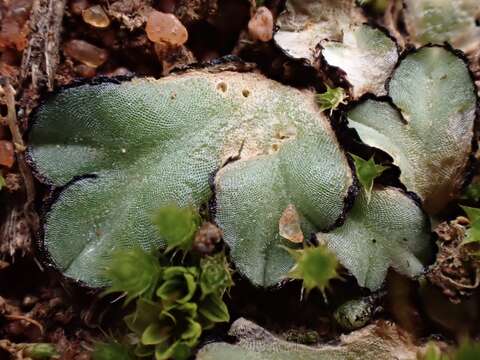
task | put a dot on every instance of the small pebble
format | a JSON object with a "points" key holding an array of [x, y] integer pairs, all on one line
{"points": [[13, 182], [121, 71], [354, 314], [167, 6], [260, 26], [4, 264], [7, 153], [29, 301], [165, 28], [77, 6], [206, 238], [86, 53], [96, 17], [85, 71]]}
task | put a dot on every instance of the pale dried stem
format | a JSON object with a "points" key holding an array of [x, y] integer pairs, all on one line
{"points": [[11, 120], [27, 319]]}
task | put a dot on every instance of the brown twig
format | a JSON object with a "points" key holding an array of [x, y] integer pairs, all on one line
{"points": [[27, 319], [9, 96], [8, 93]]}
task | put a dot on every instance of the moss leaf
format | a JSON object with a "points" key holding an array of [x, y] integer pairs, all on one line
{"points": [[251, 196], [366, 55], [390, 230], [213, 309], [440, 21], [179, 284], [143, 316], [121, 151], [429, 134], [473, 232]]}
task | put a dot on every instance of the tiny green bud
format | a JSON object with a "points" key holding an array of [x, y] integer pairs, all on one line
{"points": [[133, 272], [367, 172], [331, 99], [215, 275], [315, 265], [177, 226]]}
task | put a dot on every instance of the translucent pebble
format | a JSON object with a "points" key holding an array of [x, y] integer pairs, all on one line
{"points": [[260, 26], [121, 71], [77, 6], [96, 16], [85, 71], [165, 28], [7, 154], [167, 6], [289, 225], [86, 53]]}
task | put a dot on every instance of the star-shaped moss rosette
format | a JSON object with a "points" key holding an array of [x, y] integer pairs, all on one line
{"points": [[134, 273], [117, 152], [316, 266]]}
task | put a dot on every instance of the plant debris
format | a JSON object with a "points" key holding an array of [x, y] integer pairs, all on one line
{"points": [[381, 340], [456, 270]]}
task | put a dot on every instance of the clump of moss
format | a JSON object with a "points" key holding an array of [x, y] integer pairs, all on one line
{"points": [[177, 226], [174, 302], [168, 321], [133, 272]]}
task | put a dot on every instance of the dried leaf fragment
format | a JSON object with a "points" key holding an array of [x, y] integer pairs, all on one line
{"points": [[305, 23], [428, 129], [185, 127], [380, 340], [289, 225]]}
